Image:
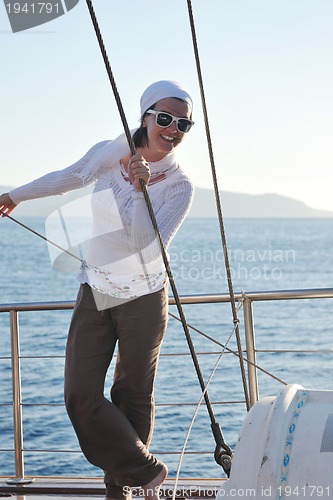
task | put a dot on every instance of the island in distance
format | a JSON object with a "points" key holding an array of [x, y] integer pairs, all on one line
{"points": [[239, 205]]}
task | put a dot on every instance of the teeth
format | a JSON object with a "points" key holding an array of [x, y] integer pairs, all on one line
{"points": [[167, 137]]}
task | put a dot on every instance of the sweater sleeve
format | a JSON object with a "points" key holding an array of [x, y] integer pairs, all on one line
{"points": [[57, 182], [177, 202], [175, 206]]}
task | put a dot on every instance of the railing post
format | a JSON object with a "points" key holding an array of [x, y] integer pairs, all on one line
{"points": [[250, 350], [17, 408]]}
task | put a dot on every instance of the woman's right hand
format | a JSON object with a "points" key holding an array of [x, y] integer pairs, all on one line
{"points": [[6, 204]]}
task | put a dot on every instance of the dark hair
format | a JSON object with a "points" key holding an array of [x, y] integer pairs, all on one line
{"points": [[140, 136]]}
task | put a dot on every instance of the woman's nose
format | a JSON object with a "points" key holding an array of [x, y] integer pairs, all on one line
{"points": [[173, 126]]}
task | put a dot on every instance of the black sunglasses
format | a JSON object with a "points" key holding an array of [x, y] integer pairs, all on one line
{"points": [[164, 120]]}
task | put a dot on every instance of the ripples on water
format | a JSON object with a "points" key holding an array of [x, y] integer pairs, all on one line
{"points": [[264, 255]]}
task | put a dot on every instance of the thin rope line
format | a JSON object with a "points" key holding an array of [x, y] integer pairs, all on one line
{"points": [[231, 351], [189, 430], [191, 426], [218, 205], [36, 233], [224, 348]]}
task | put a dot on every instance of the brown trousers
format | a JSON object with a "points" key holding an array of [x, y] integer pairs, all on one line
{"points": [[115, 435]]}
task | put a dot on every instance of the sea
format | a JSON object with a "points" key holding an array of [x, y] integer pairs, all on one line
{"points": [[264, 254]]}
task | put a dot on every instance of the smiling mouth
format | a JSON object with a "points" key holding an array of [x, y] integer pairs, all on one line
{"points": [[168, 138]]}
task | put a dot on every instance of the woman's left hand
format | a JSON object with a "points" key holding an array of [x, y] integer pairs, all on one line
{"points": [[138, 168]]}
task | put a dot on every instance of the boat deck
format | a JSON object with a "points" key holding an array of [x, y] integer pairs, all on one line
{"points": [[65, 488]]}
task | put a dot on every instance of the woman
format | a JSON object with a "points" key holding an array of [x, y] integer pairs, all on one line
{"points": [[123, 293]]}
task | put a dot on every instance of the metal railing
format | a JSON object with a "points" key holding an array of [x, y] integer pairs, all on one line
{"points": [[247, 300]]}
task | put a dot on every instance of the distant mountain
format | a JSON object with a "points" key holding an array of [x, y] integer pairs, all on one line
{"points": [[252, 206], [233, 205]]}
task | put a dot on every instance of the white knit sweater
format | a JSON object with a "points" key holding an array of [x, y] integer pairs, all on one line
{"points": [[123, 257]]}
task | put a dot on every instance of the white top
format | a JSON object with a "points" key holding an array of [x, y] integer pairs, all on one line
{"points": [[123, 257]]}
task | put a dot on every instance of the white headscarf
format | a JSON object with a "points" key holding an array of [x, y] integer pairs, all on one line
{"points": [[162, 90]]}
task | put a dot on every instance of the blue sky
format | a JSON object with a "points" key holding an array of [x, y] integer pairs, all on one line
{"points": [[268, 74]]}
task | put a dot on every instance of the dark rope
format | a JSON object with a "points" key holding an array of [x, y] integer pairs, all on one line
{"points": [[230, 351], [154, 222], [4, 214], [111, 78], [218, 206]]}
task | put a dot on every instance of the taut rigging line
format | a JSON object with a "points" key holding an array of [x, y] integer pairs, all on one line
{"points": [[223, 452], [218, 204]]}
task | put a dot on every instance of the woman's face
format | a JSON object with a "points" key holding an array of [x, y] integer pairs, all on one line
{"points": [[162, 141]]}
